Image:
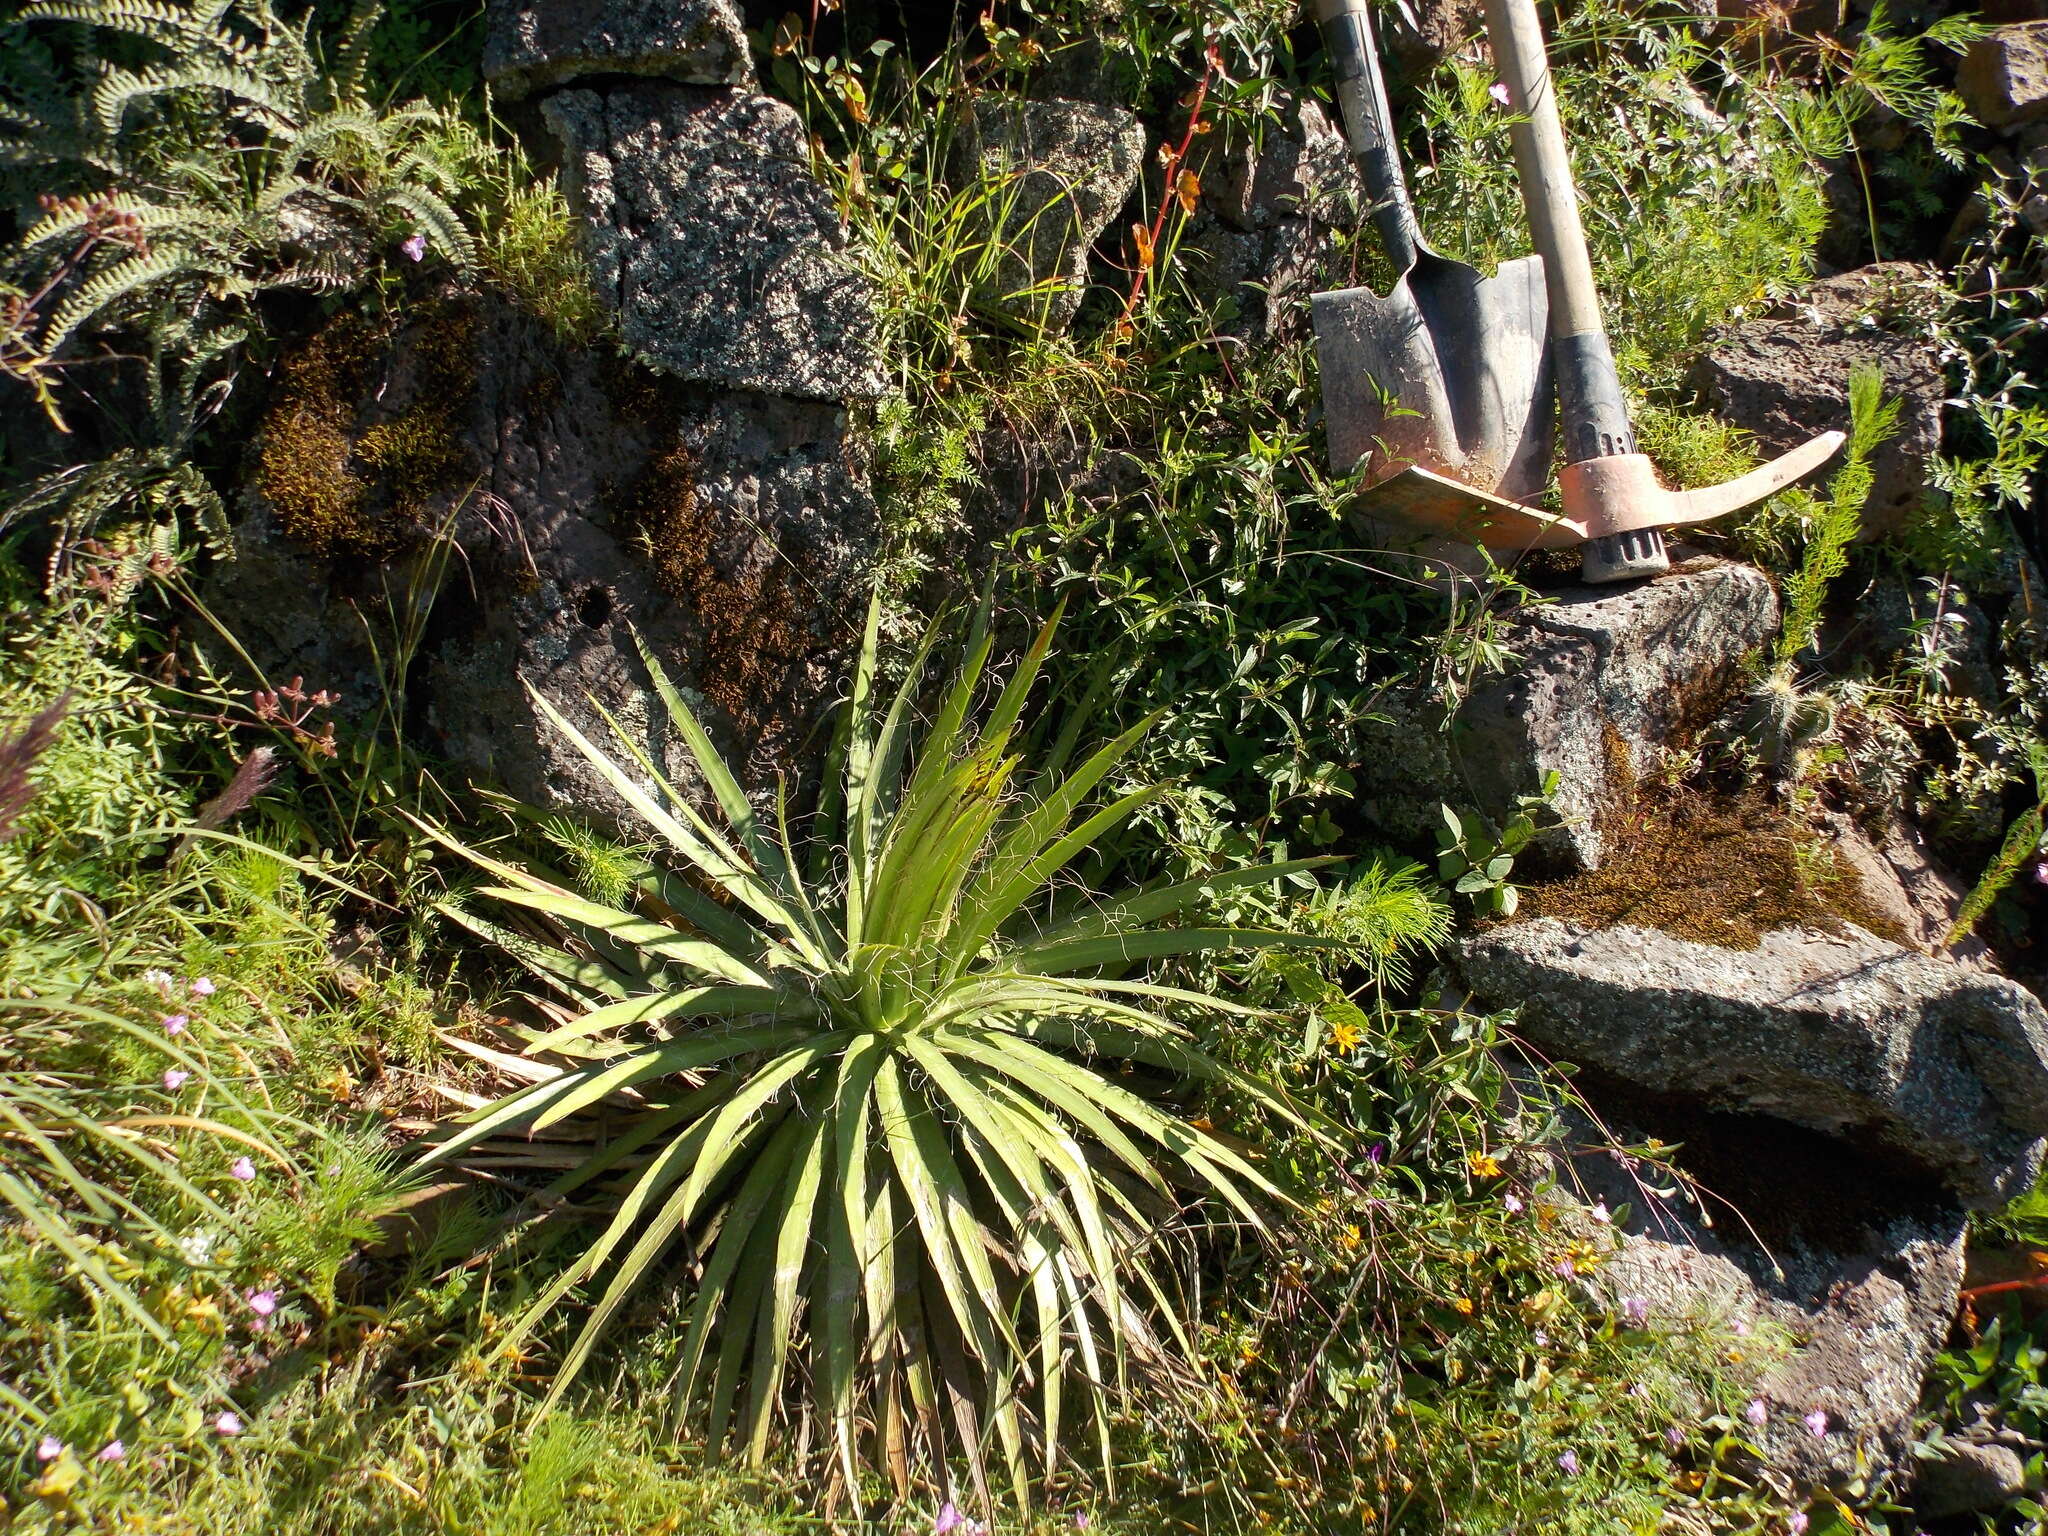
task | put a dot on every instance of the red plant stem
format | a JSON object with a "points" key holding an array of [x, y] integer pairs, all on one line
{"points": [[2032, 1283], [1211, 63]]}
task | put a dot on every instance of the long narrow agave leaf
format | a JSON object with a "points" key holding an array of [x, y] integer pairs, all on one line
{"points": [[793, 1237], [721, 868], [692, 1003], [634, 932]]}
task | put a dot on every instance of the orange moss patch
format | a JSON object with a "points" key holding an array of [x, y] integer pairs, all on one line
{"points": [[343, 482], [1716, 869]]}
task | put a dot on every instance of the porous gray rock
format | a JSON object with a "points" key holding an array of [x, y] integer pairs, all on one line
{"points": [[1969, 1477], [2003, 78], [1053, 174], [532, 45], [578, 498], [1264, 237], [723, 257], [1938, 1066], [1843, 1275], [1785, 376], [1599, 683], [1902, 879]]}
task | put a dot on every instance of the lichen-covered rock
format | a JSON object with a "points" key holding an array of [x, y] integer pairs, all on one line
{"points": [[1840, 1274], [723, 257], [1785, 377], [1940, 1066], [1054, 174], [532, 45], [1265, 235], [573, 496], [1970, 1476], [2003, 78], [1601, 681]]}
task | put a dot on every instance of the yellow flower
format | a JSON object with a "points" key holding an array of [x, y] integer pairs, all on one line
{"points": [[1345, 1035], [1484, 1165], [1462, 1305], [1353, 1237]]}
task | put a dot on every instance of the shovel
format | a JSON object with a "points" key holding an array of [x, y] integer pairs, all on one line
{"points": [[1612, 499], [1442, 387]]}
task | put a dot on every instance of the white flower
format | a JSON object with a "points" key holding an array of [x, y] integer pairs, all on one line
{"points": [[228, 1423], [163, 981], [49, 1448], [196, 1247]]}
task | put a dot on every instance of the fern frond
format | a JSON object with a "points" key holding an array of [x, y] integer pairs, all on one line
{"points": [[119, 89], [441, 224], [103, 290], [352, 55]]}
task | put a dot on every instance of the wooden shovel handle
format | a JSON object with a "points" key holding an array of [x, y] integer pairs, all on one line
{"points": [[1592, 410], [1548, 192]]}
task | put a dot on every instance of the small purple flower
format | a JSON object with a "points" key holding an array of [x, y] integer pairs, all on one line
{"points": [[228, 1424], [1635, 1311], [263, 1303], [1817, 1423], [415, 248], [1080, 1519], [1542, 1339], [1377, 1153], [1797, 1524], [174, 1023], [1639, 1392], [1498, 91], [1564, 1269], [2041, 872], [1756, 1412], [202, 986], [1568, 1463], [243, 1169], [1674, 1437], [1600, 1213], [949, 1518], [1512, 1204], [1739, 1328], [175, 1078], [113, 1450], [49, 1448]]}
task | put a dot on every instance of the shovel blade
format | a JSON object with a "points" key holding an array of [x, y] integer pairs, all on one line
{"points": [[1449, 372]]}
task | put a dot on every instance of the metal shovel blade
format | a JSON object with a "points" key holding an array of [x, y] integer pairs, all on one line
{"points": [[1448, 373]]}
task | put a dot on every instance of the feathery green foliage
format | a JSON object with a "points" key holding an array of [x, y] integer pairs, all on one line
{"points": [[1834, 520], [917, 1133], [200, 157]]}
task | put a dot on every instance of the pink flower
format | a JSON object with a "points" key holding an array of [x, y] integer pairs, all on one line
{"points": [[1569, 1463], [243, 1169], [1498, 91], [1817, 1423], [1600, 1212], [415, 248], [2041, 873], [1564, 1269], [113, 1450], [1756, 1412], [1512, 1204], [1080, 1519], [263, 1303], [174, 1023], [1674, 1437], [202, 986], [1797, 1524], [174, 1079], [229, 1423], [1635, 1310], [948, 1519], [49, 1448]]}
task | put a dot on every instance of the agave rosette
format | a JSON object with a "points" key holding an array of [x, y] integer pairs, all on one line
{"points": [[916, 1140]]}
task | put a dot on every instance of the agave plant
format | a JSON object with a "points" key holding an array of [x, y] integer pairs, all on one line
{"points": [[913, 1136]]}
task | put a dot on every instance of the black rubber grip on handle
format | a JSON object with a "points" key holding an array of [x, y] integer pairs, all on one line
{"points": [[1369, 127]]}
